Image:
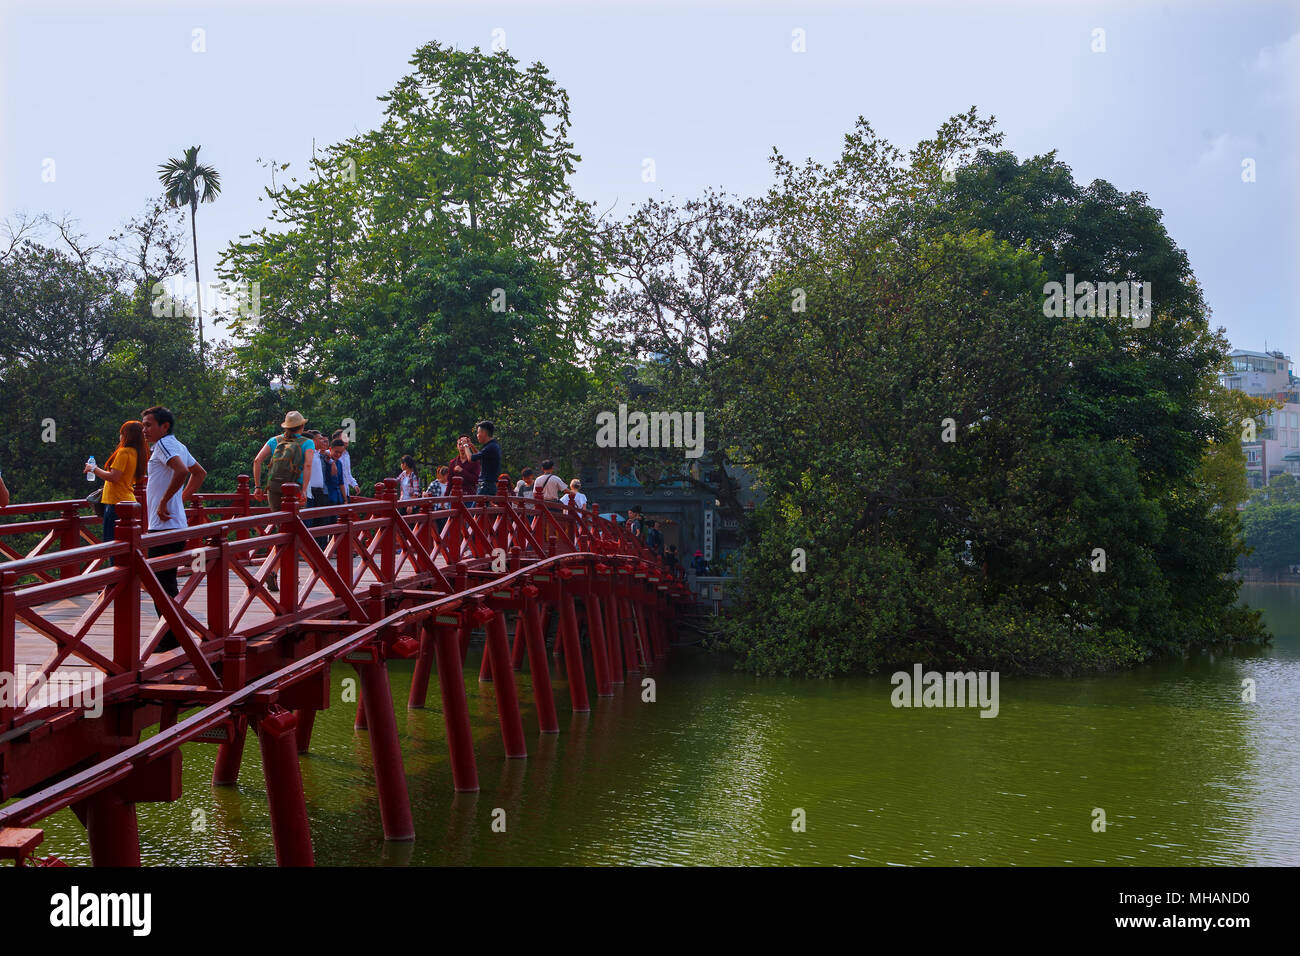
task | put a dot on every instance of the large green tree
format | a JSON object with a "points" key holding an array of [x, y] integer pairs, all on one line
{"points": [[418, 268], [956, 476]]}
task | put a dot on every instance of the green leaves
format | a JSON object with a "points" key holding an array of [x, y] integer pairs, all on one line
{"points": [[924, 305]]}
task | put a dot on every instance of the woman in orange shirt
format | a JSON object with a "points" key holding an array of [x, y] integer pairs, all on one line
{"points": [[124, 468]]}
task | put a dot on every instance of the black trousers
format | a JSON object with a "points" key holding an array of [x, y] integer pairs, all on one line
{"points": [[168, 581]]}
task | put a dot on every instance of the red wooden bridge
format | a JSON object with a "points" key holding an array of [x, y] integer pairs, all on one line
{"points": [[267, 604]]}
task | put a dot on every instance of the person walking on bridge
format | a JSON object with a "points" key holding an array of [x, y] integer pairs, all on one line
{"points": [[345, 463], [172, 470], [291, 453], [548, 483], [654, 538]]}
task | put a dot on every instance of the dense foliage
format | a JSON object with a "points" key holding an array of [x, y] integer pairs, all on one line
{"points": [[973, 481]]}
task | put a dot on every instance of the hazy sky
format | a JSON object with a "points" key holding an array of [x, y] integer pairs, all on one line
{"points": [[1181, 95]]}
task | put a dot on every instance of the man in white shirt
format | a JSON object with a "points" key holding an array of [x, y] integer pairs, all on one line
{"points": [[172, 469], [550, 484], [346, 462]]}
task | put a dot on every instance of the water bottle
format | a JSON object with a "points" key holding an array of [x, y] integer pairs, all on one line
{"points": [[90, 475]]}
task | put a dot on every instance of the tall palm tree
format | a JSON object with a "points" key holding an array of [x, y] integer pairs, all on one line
{"points": [[188, 182]]}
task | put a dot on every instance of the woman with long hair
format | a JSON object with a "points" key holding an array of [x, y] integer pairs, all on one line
{"points": [[465, 466], [125, 466], [408, 482]]}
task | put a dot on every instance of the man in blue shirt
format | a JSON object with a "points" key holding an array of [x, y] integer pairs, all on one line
{"points": [[489, 458]]}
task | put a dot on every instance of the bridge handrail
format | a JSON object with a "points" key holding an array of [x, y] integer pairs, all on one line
{"points": [[479, 525]]}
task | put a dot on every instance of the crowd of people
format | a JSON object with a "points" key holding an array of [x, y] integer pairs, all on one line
{"points": [[322, 466]]}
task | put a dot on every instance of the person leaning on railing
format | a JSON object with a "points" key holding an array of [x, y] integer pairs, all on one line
{"points": [[4, 492]]}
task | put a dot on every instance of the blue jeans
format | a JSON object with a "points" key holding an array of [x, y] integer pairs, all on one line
{"points": [[110, 523]]}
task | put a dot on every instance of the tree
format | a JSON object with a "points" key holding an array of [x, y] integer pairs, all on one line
{"points": [[974, 482], [680, 280], [472, 151], [187, 182], [1273, 534], [418, 368]]}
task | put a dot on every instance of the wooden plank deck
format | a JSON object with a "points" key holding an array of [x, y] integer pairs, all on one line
{"points": [[33, 650]]}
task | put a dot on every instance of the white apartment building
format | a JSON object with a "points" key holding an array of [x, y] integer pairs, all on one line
{"points": [[1277, 445]]}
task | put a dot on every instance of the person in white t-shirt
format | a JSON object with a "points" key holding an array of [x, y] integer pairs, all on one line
{"points": [[575, 496], [548, 483], [174, 478]]}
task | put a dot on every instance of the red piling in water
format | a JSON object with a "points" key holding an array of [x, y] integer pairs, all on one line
{"points": [[599, 652], [498, 651], [423, 667], [277, 734], [613, 640], [230, 754], [386, 752], [538, 666], [485, 665], [306, 720], [518, 647], [229, 757], [633, 612], [573, 655], [455, 709], [112, 830], [632, 660]]}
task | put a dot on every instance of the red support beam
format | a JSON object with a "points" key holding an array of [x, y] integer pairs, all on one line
{"points": [[455, 708], [277, 733], [423, 667], [538, 666], [573, 655], [386, 752], [512, 727]]}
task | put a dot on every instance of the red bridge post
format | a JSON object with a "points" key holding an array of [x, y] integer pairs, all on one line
{"points": [[538, 666], [455, 708], [277, 733], [573, 653], [126, 599], [111, 828], [611, 619], [495, 647], [231, 753], [423, 667]]}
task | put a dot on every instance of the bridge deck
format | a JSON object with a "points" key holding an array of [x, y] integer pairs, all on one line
{"points": [[32, 649]]}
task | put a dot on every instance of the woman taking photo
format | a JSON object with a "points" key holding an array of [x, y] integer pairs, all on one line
{"points": [[123, 469], [464, 466]]}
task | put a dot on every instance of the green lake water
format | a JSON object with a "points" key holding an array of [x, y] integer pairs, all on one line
{"points": [[713, 771]]}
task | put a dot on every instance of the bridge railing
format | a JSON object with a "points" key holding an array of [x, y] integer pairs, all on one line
{"points": [[236, 551]]}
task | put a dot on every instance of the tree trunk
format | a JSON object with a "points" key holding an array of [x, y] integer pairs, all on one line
{"points": [[198, 289]]}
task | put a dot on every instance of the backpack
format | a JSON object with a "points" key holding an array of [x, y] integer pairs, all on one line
{"points": [[287, 460]]}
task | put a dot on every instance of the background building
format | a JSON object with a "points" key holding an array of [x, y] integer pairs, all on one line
{"points": [[1277, 445]]}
